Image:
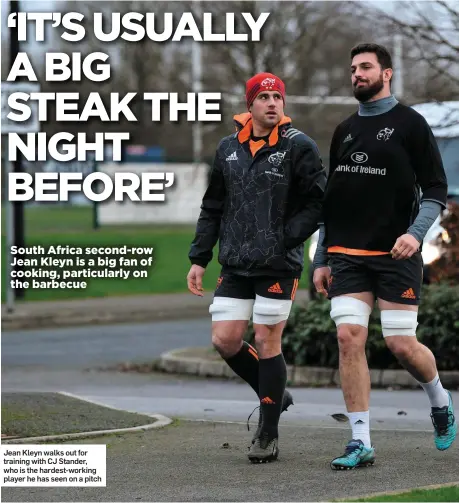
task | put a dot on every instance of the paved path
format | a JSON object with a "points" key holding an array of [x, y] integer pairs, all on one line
{"points": [[188, 463], [197, 398]]}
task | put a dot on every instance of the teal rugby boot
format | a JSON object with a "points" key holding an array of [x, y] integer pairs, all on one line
{"points": [[356, 455], [445, 425]]}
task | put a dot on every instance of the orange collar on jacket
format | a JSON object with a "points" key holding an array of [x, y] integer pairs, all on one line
{"points": [[244, 125]]}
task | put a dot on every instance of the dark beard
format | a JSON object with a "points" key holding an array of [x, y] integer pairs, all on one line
{"points": [[363, 94]]}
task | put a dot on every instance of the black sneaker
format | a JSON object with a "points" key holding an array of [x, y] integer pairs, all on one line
{"points": [[264, 449], [286, 402]]}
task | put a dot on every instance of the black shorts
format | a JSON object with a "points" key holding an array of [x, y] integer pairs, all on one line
{"points": [[243, 287], [392, 280]]}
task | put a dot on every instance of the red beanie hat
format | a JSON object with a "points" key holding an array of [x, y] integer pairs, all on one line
{"points": [[263, 82]]}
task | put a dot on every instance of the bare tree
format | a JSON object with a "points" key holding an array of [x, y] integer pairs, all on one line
{"points": [[431, 44]]}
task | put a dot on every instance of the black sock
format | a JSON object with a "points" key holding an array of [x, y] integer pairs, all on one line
{"points": [[273, 379], [245, 365]]}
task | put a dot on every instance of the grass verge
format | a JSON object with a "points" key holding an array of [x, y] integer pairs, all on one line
{"points": [[40, 414], [449, 493]]}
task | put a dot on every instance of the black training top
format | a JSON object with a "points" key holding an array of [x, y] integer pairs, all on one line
{"points": [[262, 203], [379, 166]]}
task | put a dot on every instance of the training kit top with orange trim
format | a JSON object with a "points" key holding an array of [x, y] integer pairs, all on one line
{"points": [[262, 203], [381, 168]]}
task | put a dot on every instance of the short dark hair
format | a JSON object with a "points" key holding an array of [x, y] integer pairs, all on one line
{"points": [[382, 54]]}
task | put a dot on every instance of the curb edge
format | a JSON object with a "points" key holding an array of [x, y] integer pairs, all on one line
{"points": [[175, 362], [161, 422]]}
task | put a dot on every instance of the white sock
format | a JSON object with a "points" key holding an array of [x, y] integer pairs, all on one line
{"points": [[360, 423], [436, 393]]}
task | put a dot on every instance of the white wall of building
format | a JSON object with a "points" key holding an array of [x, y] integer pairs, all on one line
{"points": [[182, 200]]}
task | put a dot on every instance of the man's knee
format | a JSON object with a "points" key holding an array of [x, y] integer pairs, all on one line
{"points": [[351, 338], [229, 322], [269, 319], [351, 318], [402, 347], [268, 334], [227, 337], [399, 331], [268, 339]]}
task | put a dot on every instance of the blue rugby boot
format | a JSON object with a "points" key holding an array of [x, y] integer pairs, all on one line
{"points": [[445, 425], [356, 455]]}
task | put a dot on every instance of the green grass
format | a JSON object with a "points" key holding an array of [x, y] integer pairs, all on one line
{"points": [[441, 494], [72, 226], [41, 219], [37, 414]]}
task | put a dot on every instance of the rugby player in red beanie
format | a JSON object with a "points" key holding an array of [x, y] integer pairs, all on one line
{"points": [[263, 201]]}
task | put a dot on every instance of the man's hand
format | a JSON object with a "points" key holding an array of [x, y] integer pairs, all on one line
{"points": [[321, 279], [194, 279], [405, 247]]}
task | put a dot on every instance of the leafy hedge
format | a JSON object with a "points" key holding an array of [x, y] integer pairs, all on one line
{"points": [[446, 268], [310, 335]]}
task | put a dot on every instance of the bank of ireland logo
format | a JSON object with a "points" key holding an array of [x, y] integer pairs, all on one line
{"points": [[359, 157], [384, 134], [276, 159]]}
